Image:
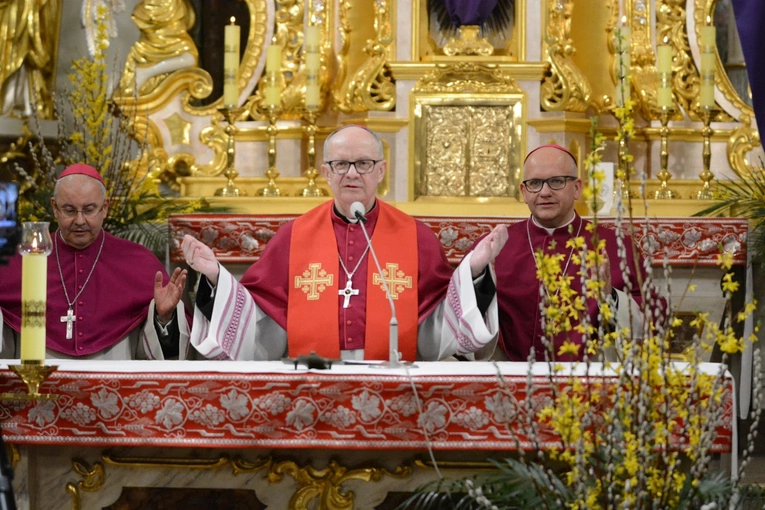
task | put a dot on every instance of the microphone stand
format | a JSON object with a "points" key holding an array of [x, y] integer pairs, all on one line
{"points": [[394, 356]]}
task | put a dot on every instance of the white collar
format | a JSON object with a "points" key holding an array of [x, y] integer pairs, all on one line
{"points": [[551, 230]]}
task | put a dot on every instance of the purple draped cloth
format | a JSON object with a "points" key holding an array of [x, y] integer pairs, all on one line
{"points": [[750, 18], [469, 12]]}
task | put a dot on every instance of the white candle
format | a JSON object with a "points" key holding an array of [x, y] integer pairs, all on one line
{"points": [[707, 44], [665, 76], [231, 64], [34, 283]]}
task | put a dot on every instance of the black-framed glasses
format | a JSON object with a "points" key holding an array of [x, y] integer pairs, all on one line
{"points": [[88, 211], [362, 166], [555, 183]]}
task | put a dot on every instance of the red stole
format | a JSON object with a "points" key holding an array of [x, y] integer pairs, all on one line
{"points": [[313, 302]]}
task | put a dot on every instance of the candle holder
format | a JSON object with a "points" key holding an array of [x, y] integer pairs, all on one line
{"points": [[312, 190], [271, 190], [706, 175], [33, 373], [664, 193], [230, 113]]}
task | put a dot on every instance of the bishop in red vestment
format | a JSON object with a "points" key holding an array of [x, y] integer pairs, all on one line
{"points": [[107, 298], [316, 287]]}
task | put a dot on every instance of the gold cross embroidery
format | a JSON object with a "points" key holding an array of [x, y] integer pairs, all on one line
{"points": [[397, 281], [314, 281]]}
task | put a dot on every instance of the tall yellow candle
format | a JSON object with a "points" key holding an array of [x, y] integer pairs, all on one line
{"points": [[665, 76], [273, 59], [231, 64], [34, 284], [624, 64], [272, 91], [312, 96], [708, 62]]}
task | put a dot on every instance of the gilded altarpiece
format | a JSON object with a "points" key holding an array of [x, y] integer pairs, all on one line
{"points": [[467, 122]]}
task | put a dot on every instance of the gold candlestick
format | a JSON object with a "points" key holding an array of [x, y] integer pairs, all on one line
{"points": [[230, 113], [271, 189], [664, 193], [706, 175], [622, 186], [33, 373], [312, 190]]}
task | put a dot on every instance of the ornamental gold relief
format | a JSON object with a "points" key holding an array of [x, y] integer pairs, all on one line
{"points": [[93, 478], [317, 488], [645, 77], [741, 141], [466, 141], [670, 25], [323, 488], [370, 86], [564, 86]]}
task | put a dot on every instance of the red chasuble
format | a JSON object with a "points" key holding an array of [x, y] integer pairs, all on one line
{"points": [[272, 286], [114, 302], [518, 295]]}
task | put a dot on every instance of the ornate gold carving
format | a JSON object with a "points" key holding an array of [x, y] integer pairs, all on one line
{"points": [[564, 87], [462, 146], [468, 43], [611, 23], [670, 25], [371, 88], [179, 129], [163, 46], [467, 77], [645, 77], [324, 487], [741, 141], [93, 478], [29, 45]]}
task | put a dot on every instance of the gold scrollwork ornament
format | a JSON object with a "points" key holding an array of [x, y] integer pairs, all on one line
{"points": [[564, 86], [93, 478], [741, 141], [371, 88]]}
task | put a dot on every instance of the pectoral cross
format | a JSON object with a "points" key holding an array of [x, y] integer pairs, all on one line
{"points": [[348, 291], [69, 319]]}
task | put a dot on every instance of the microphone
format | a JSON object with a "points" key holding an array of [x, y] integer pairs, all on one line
{"points": [[357, 211]]}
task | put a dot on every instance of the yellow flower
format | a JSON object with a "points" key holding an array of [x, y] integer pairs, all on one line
{"points": [[569, 347]]}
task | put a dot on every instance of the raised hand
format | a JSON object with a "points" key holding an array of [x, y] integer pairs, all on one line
{"points": [[488, 249], [200, 258], [166, 297]]}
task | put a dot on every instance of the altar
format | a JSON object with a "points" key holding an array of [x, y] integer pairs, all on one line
{"points": [[355, 436]]}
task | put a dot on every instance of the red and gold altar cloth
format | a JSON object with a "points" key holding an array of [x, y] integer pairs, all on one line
{"points": [[676, 241], [457, 406]]}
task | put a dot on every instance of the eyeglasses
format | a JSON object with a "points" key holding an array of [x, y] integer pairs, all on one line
{"points": [[554, 183], [88, 211], [363, 166]]}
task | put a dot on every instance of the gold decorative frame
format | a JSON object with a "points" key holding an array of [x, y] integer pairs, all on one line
{"points": [[670, 24], [473, 90]]}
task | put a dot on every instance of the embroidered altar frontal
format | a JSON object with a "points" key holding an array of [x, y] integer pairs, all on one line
{"points": [[457, 406]]}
